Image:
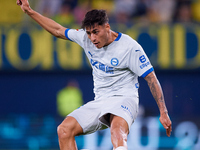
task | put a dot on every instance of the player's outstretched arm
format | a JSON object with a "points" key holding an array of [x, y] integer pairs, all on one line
{"points": [[48, 24], [157, 93]]}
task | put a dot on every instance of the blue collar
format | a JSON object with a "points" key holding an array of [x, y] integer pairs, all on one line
{"points": [[119, 36]]}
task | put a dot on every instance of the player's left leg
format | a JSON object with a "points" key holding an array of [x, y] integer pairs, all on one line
{"points": [[119, 131]]}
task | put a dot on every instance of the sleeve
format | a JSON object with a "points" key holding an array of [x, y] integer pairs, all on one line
{"points": [[138, 62], [75, 35]]}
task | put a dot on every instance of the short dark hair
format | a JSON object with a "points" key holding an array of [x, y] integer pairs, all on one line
{"points": [[95, 16]]}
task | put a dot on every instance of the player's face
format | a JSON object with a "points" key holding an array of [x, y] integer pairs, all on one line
{"points": [[99, 34]]}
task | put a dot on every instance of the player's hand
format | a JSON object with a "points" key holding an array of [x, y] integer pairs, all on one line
{"points": [[24, 4], [166, 122]]}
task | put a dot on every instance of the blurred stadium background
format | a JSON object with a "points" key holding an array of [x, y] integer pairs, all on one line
{"points": [[41, 76]]}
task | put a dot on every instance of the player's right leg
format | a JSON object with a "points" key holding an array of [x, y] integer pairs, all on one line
{"points": [[67, 131]]}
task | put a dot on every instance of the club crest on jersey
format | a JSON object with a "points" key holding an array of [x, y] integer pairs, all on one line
{"points": [[114, 61]]}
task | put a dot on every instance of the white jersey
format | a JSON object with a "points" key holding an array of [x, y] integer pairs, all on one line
{"points": [[116, 67]]}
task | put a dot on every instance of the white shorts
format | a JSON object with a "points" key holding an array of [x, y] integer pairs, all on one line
{"points": [[92, 115]]}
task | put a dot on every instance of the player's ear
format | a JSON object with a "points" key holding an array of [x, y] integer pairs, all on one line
{"points": [[107, 26]]}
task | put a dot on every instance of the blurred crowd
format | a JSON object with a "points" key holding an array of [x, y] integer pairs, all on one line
{"points": [[120, 11]]}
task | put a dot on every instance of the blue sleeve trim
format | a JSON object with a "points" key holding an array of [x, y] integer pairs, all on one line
{"points": [[66, 34], [147, 72]]}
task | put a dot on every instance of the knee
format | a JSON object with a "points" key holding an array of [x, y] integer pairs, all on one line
{"points": [[69, 128], [118, 134], [64, 132]]}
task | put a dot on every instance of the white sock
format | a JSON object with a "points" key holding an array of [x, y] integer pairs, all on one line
{"points": [[121, 148]]}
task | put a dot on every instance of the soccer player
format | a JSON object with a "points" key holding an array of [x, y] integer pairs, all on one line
{"points": [[117, 60]]}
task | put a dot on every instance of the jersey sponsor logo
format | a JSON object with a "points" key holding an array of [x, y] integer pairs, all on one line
{"points": [[128, 110], [142, 59], [144, 65], [114, 61], [102, 67], [137, 50]]}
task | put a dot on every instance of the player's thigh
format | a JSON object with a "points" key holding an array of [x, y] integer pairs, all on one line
{"points": [[70, 126], [118, 124]]}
